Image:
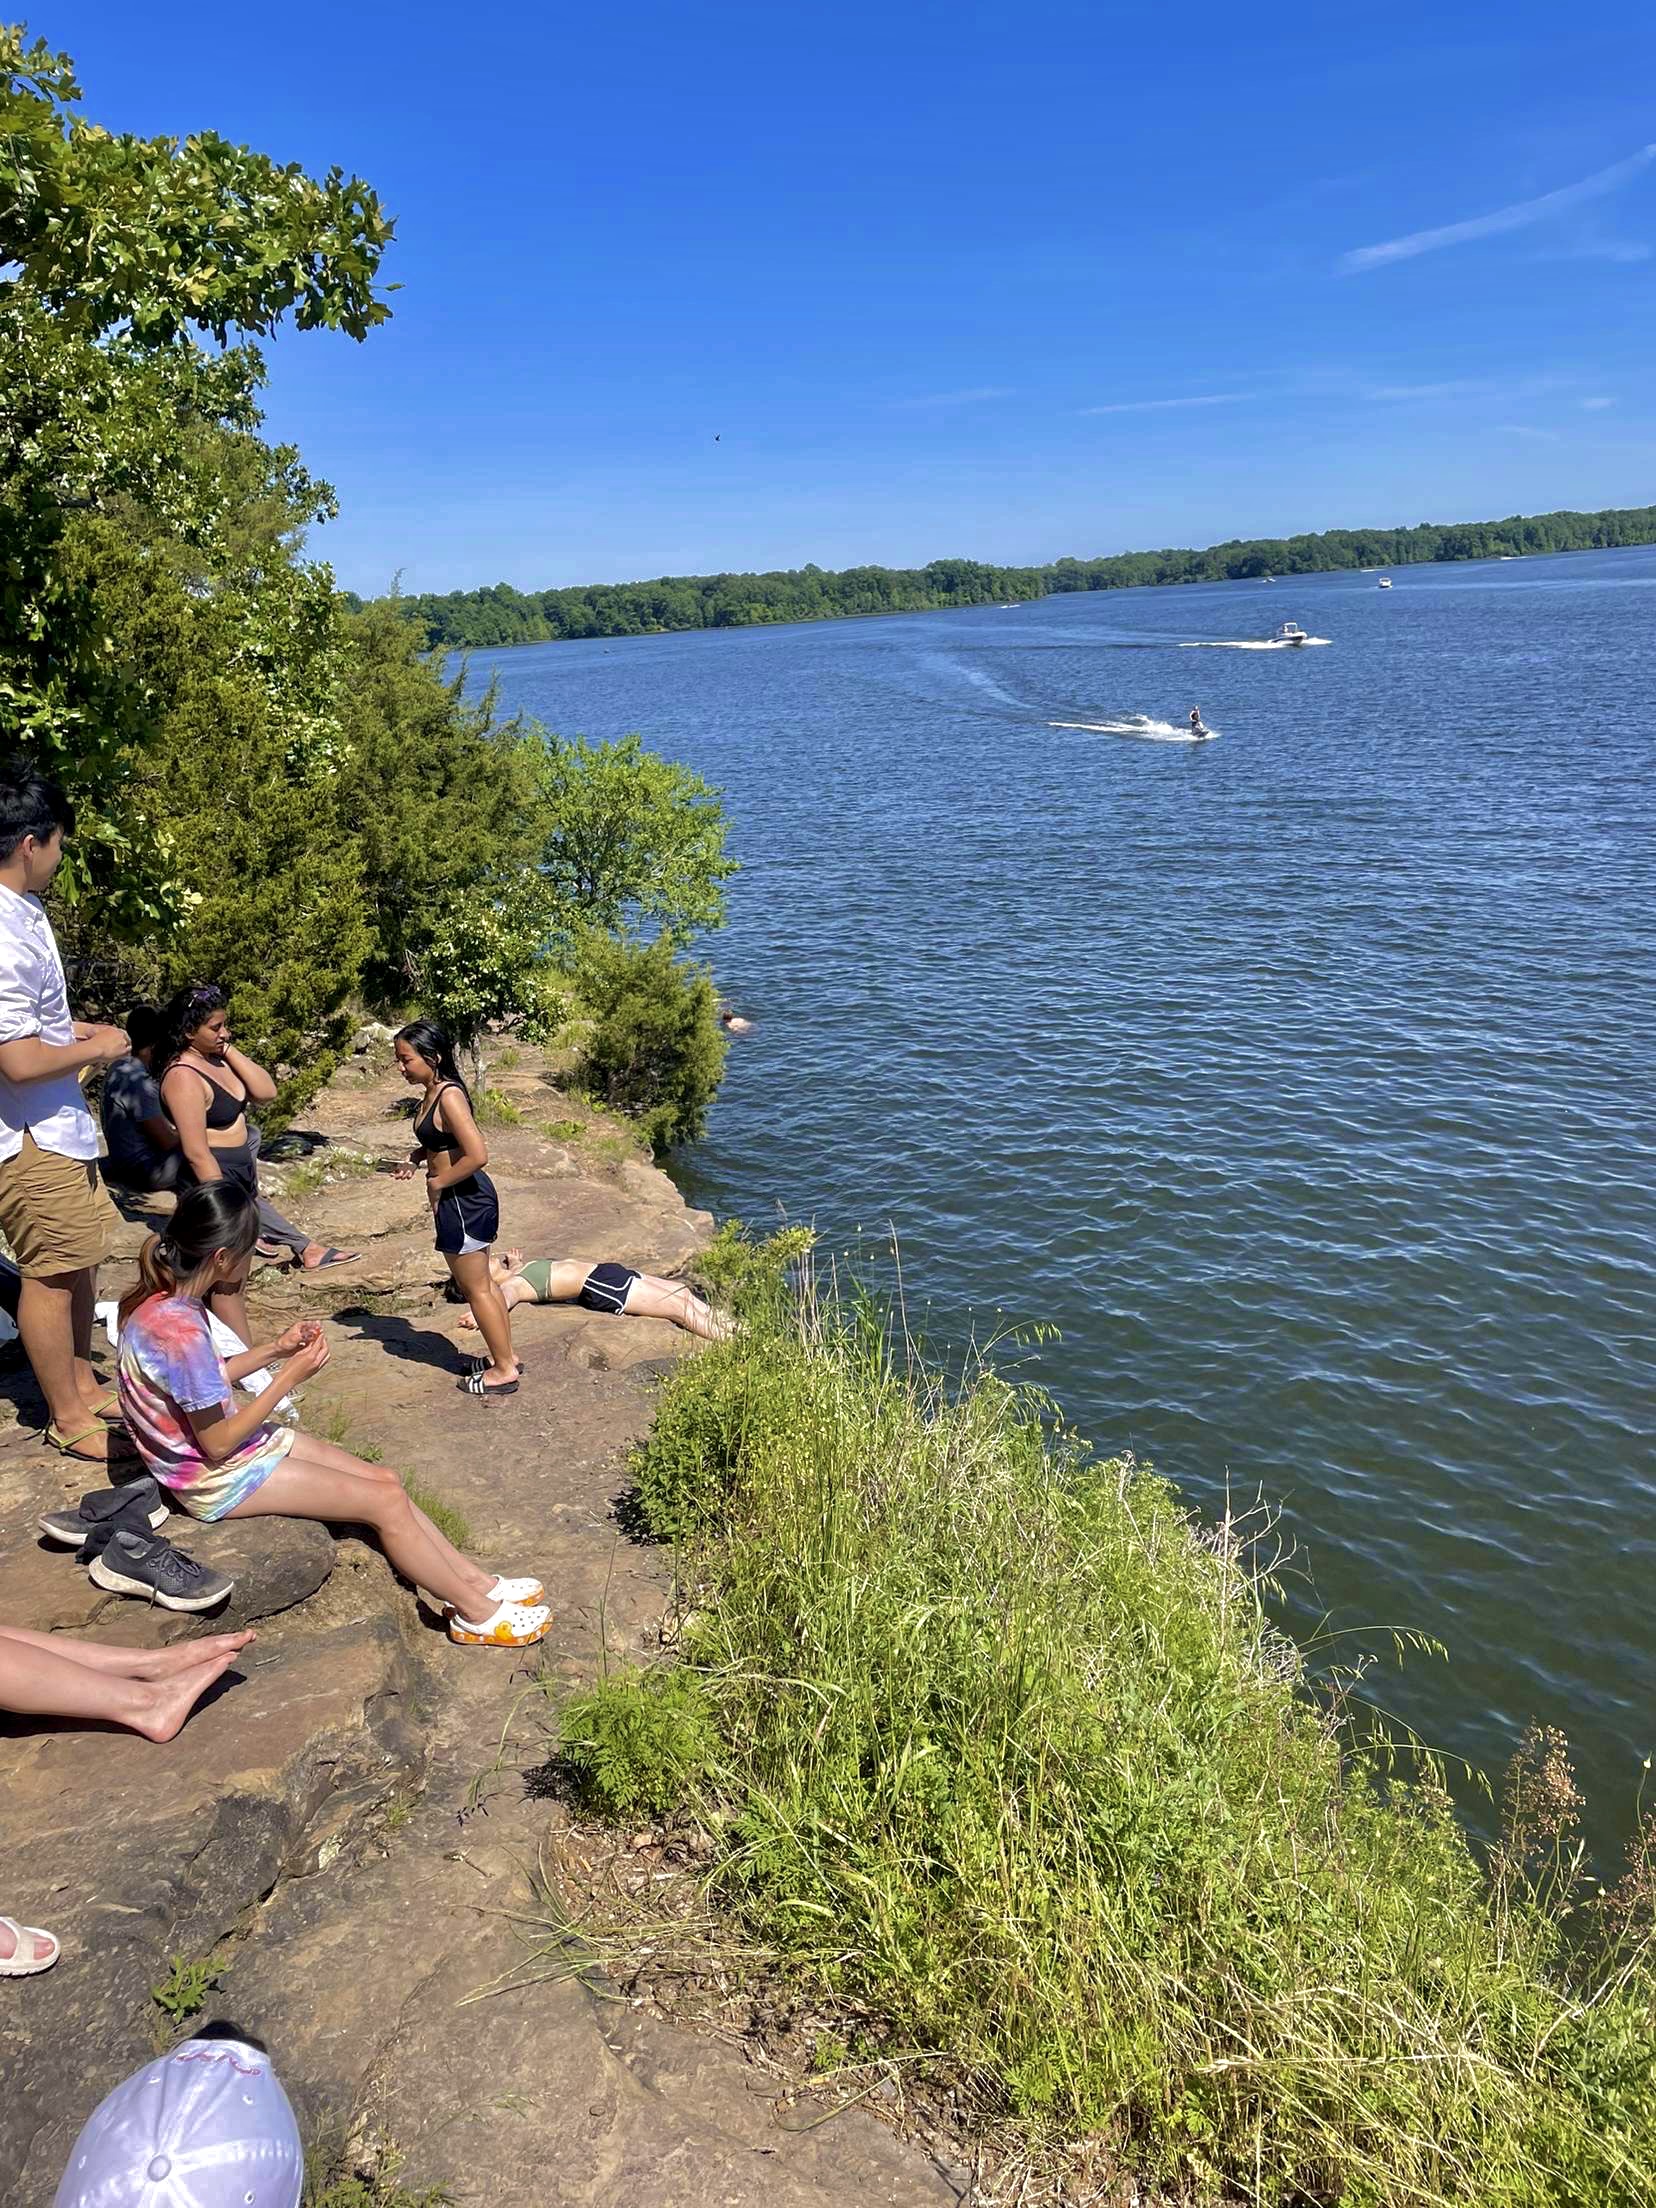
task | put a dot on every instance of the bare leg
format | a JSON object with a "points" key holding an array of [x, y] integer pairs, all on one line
{"points": [[82, 1298], [514, 1289], [39, 1682], [488, 1307], [129, 1663], [46, 1320], [316, 1480], [651, 1297]]}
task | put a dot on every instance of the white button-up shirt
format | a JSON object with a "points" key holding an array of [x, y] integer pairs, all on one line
{"points": [[34, 1000]]}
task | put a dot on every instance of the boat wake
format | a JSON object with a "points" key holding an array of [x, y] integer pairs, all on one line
{"points": [[1252, 644], [978, 680], [1143, 727]]}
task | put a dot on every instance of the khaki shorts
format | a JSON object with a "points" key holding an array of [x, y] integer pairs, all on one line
{"points": [[54, 1212]]}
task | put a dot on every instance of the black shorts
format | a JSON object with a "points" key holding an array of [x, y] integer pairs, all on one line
{"points": [[468, 1212], [607, 1288]]}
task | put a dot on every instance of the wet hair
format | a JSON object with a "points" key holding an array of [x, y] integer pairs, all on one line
{"points": [[436, 1047], [217, 1215], [183, 1013], [31, 804]]}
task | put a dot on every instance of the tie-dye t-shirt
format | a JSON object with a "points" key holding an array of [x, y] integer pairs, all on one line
{"points": [[165, 1366]]}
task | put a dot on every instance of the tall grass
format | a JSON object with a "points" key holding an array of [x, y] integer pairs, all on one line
{"points": [[1003, 1751]]}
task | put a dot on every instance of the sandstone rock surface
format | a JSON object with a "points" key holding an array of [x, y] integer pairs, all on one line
{"points": [[344, 1825]]}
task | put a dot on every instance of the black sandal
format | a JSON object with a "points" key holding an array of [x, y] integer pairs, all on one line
{"points": [[475, 1384]]}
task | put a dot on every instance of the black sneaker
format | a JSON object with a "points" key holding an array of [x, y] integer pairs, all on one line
{"points": [[135, 1503], [139, 1564]]}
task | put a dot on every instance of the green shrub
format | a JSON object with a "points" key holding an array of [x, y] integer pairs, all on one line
{"points": [[638, 1742], [656, 1051], [182, 1994], [494, 1108], [1000, 1749], [336, 2178]]}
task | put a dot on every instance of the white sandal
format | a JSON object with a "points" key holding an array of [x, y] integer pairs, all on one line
{"points": [[511, 1625], [505, 1590], [28, 1959]]}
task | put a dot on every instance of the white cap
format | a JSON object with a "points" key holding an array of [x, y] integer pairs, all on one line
{"points": [[206, 2126]]}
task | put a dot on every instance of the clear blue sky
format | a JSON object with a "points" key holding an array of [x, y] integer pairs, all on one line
{"points": [[1011, 280]]}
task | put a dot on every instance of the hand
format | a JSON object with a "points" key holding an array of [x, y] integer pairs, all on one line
{"points": [[308, 1361], [402, 1172], [111, 1041], [297, 1335]]}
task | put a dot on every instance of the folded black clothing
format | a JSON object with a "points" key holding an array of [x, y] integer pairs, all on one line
{"points": [[133, 1502]]}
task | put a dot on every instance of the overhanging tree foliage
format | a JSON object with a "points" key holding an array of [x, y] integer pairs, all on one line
{"points": [[118, 253], [275, 790]]}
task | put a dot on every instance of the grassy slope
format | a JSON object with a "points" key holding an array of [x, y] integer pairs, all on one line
{"points": [[999, 1749]]}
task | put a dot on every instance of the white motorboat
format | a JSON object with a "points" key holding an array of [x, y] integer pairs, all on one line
{"points": [[1289, 633], [1384, 583]]}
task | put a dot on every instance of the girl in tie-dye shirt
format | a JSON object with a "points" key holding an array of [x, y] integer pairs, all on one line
{"points": [[166, 1367], [223, 1459]]}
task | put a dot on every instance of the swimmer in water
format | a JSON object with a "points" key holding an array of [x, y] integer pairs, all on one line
{"points": [[734, 1023]]}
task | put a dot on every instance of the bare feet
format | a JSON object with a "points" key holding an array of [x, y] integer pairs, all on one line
{"points": [[171, 1700], [168, 1663]]}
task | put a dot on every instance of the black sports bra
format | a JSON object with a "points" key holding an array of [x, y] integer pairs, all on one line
{"points": [[428, 1134], [223, 1110]]}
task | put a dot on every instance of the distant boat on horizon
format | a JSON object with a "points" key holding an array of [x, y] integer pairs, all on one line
{"points": [[1385, 582]]}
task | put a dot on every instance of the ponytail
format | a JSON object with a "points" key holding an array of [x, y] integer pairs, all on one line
{"points": [[217, 1215]]}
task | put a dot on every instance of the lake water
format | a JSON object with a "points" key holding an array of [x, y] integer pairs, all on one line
{"points": [[1302, 1078]]}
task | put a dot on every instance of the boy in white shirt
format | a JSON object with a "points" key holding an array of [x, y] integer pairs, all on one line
{"points": [[53, 1209]]}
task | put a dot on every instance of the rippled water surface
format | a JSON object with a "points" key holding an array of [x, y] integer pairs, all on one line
{"points": [[1303, 1078]]}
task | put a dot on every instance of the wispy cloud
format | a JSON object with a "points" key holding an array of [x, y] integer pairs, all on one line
{"points": [[1503, 390], [1459, 387], [1527, 430], [1162, 406], [973, 397], [1519, 216], [1597, 406]]}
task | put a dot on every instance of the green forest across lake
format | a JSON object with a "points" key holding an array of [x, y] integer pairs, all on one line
{"points": [[501, 614]]}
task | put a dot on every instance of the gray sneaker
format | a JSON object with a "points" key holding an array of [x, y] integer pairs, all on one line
{"points": [[140, 1564], [135, 1503]]}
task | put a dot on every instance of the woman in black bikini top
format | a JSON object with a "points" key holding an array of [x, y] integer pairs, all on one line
{"points": [[465, 1208], [200, 1062]]}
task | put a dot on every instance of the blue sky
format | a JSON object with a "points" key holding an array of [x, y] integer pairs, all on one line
{"points": [[1013, 281]]}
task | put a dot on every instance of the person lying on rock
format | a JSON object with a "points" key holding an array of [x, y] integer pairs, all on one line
{"points": [[221, 1461], [603, 1287], [464, 1207]]}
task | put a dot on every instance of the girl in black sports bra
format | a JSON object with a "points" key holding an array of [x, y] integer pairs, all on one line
{"points": [[463, 1201], [206, 1087]]}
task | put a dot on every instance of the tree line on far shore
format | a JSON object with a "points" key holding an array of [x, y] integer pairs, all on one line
{"points": [[501, 614]]}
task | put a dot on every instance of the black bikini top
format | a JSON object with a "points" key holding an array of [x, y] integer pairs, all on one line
{"points": [[223, 1110], [428, 1134]]}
